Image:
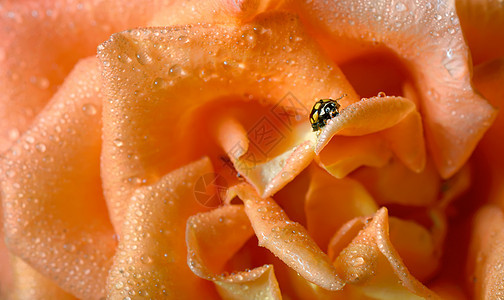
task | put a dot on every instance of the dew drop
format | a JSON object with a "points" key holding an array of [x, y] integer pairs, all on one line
{"points": [[250, 38], [13, 134], [143, 58], [400, 6], [159, 83], [89, 109], [146, 259], [40, 147], [183, 39], [358, 261], [118, 143], [43, 83], [177, 70]]}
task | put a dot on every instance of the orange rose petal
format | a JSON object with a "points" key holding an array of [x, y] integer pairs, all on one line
{"points": [[152, 257], [293, 196], [30, 284], [304, 289], [482, 22], [488, 79], [345, 154], [62, 32], [232, 138], [415, 189], [6, 272], [428, 38], [486, 254], [330, 203], [288, 240], [364, 117], [371, 265], [448, 290], [378, 71], [259, 283], [150, 103], [55, 216], [415, 246], [212, 239], [455, 187], [212, 11], [269, 176], [419, 248], [406, 140]]}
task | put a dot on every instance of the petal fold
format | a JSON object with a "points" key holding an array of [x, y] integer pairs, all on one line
{"points": [[364, 117], [288, 240], [370, 263], [212, 239]]}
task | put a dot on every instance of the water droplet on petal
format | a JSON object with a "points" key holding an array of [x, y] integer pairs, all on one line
{"points": [[118, 142], [143, 58], [400, 6], [43, 83], [40, 147], [89, 109], [13, 134]]}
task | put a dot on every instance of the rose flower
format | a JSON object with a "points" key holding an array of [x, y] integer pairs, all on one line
{"points": [[251, 149]]}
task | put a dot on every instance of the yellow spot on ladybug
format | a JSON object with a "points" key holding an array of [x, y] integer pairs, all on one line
{"points": [[322, 111]]}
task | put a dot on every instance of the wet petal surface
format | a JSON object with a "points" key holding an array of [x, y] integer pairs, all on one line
{"points": [[435, 53], [288, 240], [55, 214], [146, 103]]}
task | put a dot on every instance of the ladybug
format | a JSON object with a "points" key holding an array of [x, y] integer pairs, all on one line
{"points": [[322, 111]]}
